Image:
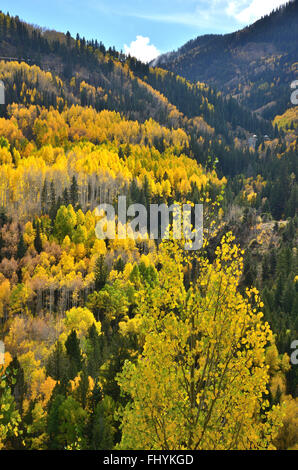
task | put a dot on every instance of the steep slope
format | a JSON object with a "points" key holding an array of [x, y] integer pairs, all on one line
{"points": [[255, 65]]}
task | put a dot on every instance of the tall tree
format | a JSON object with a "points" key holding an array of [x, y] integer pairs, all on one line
{"points": [[101, 272], [37, 239], [201, 380]]}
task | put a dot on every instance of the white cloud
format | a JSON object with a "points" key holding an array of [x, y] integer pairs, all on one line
{"points": [[142, 49], [247, 12]]}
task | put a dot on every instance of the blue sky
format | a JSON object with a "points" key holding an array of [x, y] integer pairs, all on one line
{"points": [[141, 27]]}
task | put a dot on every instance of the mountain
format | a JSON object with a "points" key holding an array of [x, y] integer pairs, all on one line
{"points": [[106, 79], [49, 68], [256, 65]]}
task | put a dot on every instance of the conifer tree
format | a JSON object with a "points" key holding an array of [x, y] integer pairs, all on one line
{"points": [[101, 273], [37, 239], [74, 192], [73, 350], [22, 248]]}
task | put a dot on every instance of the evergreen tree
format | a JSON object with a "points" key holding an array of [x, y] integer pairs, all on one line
{"points": [[95, 352], [72, 345], [17, 383], [57, 364], [44, 198], [53, 208], [22, 248], [37, 239], [101, 273], [103, 429], [120, 153], [74, 192]]}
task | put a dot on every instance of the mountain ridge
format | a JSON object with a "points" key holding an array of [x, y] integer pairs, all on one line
{"points": [[255, 65]]}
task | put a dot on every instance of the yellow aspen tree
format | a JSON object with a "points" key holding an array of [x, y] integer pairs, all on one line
{"points": [[202, 379]]}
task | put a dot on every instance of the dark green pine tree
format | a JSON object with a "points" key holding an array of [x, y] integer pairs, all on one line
{"points": [[97, 395], [134, 192], [73, 350], [37, 239], [65, 197], [272, 262], [120, 153], [127, 150], [278, 291], [3, 216], [53, 207], [292, 203], [22, 248], [249, 270], [288, 297], [74, 192], [57, 364], [95, 352], [103, 425], [147, 192], [44, 197], [16, 381], [83, 387], [53, 421], [101, 273], [119, 265], [68, 39]]}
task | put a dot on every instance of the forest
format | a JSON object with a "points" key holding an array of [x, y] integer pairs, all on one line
{"points": [[138, 344]]}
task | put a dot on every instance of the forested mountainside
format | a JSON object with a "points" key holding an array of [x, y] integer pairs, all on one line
{"points": [[255, 65], [106, 79], [106, 340]]}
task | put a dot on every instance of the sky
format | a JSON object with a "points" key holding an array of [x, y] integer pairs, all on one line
{"points": [[142, 28]]}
